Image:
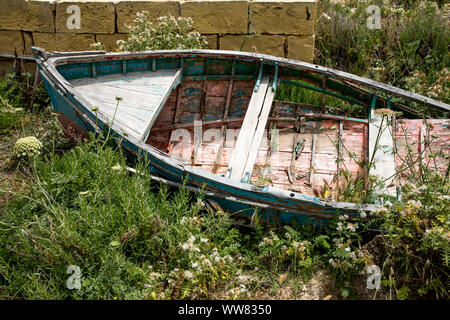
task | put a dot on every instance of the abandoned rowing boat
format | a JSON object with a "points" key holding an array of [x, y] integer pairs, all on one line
{"points": [[209, 119]]}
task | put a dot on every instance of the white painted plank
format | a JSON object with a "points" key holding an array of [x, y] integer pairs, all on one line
{"points": [[260, 129], [141, 78], [132, 98], [383, 156], [127, 108], [175, 82], [143, 95], [132, 129], [239, 157]]}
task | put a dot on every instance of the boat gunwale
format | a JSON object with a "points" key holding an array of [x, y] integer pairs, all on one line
{"points": [[59, 59]]}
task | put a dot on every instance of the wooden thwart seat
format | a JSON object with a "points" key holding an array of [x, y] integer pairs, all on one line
{"points": [[143, 94], [248, 142]]}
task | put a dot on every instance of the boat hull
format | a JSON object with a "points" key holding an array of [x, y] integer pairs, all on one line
{"points": [[272, 205]]}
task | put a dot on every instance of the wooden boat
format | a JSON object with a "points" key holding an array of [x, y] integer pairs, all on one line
{"points": [[208, 118]]}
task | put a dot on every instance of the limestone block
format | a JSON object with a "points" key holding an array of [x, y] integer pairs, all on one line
{"points": [[283, 16], [109, 41], [126, 10], [217, 16], [63, 41], [300, 48], [273, 45], [10, 41], [27, 37], [212, 41], [6, 66], [27, 15]]}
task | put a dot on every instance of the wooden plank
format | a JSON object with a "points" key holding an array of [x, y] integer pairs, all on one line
{"points": [[129, 96], [261, 126], [143, 95], [175, 119], [139, 78], [225, 118], [175, 81], [341, 131], [124, 119], [422, 143], [273, 147], [123, 107], [197, 140], [247, 132], [381, 155], [313, 159]]}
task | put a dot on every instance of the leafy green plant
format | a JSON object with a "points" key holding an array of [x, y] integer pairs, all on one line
{"points": [[346, 259], [417, 242], [17, 89], [410, 48], [9, 116], [167, 32]]}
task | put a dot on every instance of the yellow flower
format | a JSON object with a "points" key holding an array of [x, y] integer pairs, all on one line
{"points": [[115, 298]]}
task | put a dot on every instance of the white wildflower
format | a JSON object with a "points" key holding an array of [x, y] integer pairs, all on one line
{"points": [[352, 227], [154, 275], [207, 263], [117, 167]]}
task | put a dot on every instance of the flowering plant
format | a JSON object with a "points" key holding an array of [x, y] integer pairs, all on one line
{"points": [[167, 33]]}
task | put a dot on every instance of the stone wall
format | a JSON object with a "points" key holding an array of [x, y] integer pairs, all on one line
{"points": [[285, 27]]}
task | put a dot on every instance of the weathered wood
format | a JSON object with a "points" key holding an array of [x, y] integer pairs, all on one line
{"points": [[225, 118], [423, 130], [339, 149], [215, 122], [313, 159], [142, 96], [65, 97], [197, 140], [381, 153], [245, 138], [273, 147], [259, 132]]}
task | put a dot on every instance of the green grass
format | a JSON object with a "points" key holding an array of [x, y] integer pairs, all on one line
{"points": [[136, 239], [292, 93], [76, 208]]}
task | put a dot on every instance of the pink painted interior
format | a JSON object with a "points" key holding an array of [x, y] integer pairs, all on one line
{"points": [[207, 101]]}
